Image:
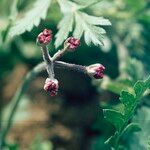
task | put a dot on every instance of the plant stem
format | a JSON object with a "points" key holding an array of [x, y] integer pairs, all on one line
{"points": [[48, 60], [17, 97], [59, 54], [73, 67], [28, 79]]}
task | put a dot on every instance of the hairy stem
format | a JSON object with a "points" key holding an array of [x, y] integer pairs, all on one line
{"points": [[48, 60], [59, 53], [73, 67]]}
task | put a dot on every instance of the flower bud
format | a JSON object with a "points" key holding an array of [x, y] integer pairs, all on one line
{"points": [[72, 43], [96, 71], [51, 86], [44, 37]]}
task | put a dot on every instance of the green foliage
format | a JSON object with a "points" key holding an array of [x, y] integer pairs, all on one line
{"points": [[130, 25], [83, 24], [132, 127], [31, 18], [74, 21], [65, 26], [119, 120], [89, 26], [114, 117]]}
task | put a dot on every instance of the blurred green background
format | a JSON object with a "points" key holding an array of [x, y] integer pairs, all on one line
{"points": [[73, 120]]}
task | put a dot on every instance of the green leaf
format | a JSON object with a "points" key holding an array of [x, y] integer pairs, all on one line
{"points": [[128, 100], [86, 3], [132, 127], [84, 24], [31, 18], [121, 121], [67, 6], [114, 117], [92, 33], [140, 87], [65, 26], [96, 20], [78, 31]]}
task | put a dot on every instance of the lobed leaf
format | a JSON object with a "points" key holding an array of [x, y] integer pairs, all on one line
{"points": [[84, 24], [65, 26], [96, 20], [92, 34], [138, 88], [114, 117], [128, 100], [31, 18], [141, 86], [132, 127], [78, 31], [67, 6]]}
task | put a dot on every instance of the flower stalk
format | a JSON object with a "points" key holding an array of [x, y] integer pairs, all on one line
{"points": [[48, 60], [51, 84], [59, 53]]}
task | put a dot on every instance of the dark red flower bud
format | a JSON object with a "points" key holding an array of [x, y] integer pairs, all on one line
{"points": [[96, 71], [51, 86], [44, 37], [47, 32], [72, 43]]}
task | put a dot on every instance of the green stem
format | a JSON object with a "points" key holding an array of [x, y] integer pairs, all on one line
{"points": [[17, 97]]}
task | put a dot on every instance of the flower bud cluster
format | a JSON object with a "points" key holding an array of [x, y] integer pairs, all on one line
{"points": [[44, 37], [51, 84], [72, 43]]}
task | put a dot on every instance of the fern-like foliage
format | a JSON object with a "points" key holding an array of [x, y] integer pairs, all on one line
{"points": [[74, 21], [82, 23], [31, 18], [65, 26], [120, 119]]}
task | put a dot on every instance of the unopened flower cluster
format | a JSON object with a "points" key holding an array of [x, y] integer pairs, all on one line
{"points": [[51, 84]]}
